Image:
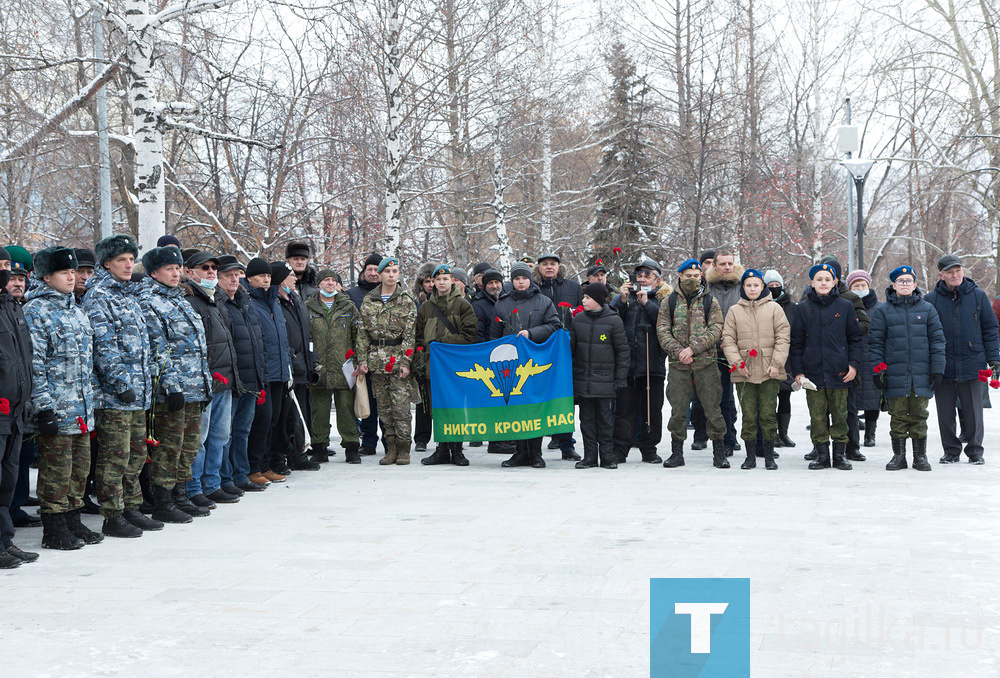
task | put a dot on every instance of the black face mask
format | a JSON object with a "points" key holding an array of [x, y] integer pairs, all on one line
{"points": [[4, 279], [776, 291]]}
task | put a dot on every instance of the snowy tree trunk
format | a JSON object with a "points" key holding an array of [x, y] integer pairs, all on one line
{"points": [[146, 131], [499, 203], [546, 229], [816, 189], [394, 156]]}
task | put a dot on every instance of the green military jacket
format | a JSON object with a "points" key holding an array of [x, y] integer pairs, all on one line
{"points": [[459, 313], [688, 329], [392, 322], [334, 332]]}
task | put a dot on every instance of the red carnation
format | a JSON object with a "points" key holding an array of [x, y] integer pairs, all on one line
{"points": [[82, 424], [262, 397], [515, 310], [392, 359], [984, 375], [578, 309], [498, 319], [564, 304], [743, 365], [420, 348], [616, 250], [4, 406], [881, 367], [732, 368], [752, 353], [153, 441], [349, 354], [599, 261], [219, 377], [994, 383], [388, 366], [408, 352]]}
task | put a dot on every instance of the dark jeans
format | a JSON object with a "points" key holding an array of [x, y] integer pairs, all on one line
{"points": [[596, 426], [259, 443], [531, 447], [422, 427], [853, 430], [727, 405], [23, 487], [630, 407], [10, 452], [967, 397], [235, 450]]}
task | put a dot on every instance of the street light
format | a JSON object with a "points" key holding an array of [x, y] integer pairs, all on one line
{"points": [[859, 170]]}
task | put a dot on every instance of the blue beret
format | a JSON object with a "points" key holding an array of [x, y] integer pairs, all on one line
{"points": [[387, 261], [829, 268], [441, 268], [751, 273], [902, 270], [690, 263]]}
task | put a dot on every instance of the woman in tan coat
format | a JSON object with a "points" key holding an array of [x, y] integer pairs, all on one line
{"points": [[755, 339]]}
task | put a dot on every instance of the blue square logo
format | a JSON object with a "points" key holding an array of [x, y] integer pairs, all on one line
{"points": [[699, 628]]}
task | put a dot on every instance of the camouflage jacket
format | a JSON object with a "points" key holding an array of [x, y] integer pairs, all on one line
{"points": [[391, 321], [687, 328], [177, 338], [122, 356], [334, 332], [459, 313], [62, 360]]}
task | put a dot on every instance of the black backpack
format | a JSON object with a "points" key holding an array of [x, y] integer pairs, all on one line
{"points": [[672, 305]]}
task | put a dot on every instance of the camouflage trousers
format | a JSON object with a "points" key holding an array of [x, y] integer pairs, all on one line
{"points": [[908, 417], [707, 384], [319, 405], [827, 415], [761, 397], [121, 454], [394, 396], [179, 435], [63, 467]]}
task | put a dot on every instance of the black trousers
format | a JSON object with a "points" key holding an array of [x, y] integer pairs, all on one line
{"points": [[23, 486], [967, 398], [532, 448], [853, 430], [259, 442], [630, 407], [288, 437], [596, 425], [422, 427], [10, 452], [368, 427]]}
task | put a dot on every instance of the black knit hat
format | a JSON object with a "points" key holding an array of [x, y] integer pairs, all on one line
{"points": [[296, 249], [158, 257], [115, 245], [492, 274], [597, 292], [53, 259], [328, 273], [707, 254], [168, 240], [85, 257], [257, 266], [481, 267], [4, 254], [279, 271], [520, 269], [374, 259]]}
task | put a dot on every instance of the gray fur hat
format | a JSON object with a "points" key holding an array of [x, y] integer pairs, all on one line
{"points": [[52, 259], [113, 245]]}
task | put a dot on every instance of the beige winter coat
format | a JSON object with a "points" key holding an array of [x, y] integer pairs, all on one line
{"points": [[761, 326]]}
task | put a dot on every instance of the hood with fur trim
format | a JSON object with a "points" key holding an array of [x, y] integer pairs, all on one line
{"points": [[716, 277]]}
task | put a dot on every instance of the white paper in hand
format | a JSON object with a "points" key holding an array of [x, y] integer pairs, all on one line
{"points": [[348, 370]]}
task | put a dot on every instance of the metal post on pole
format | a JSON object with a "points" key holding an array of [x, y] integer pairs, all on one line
{"points": [[850, 199], [103, 153], [860, 183]]}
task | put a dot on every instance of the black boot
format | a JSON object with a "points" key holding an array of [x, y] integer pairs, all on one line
{"points": [[676, 457], [441, 455], [751, 460], [520, 458], [90, 507], [538, 462], [117, 526], [352, 455], [569, 456], [840, 457], [300, 462], [181, 501], [78, 529], [320, 455], [458, 456], [589, 459], [810, 456], [920, 462], [870, 433], [651, 457], [719, 454], [164, 509], [855, 454], [783, 421], [898, 461], [55, 534], [821, 458], [142, 522], [769, 456]]}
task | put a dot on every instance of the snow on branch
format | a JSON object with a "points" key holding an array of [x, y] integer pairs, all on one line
{"points": [[219, 135], [184, 8], [222, 230]]}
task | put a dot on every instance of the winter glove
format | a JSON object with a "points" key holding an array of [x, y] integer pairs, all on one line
{"points": [[879, 380], [127, 396], [936, 380], [47, 422], [995, 366], [175, 401], [313, 377]]}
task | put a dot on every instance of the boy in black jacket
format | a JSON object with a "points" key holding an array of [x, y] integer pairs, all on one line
{"points": [[600, 366], [827, 350]]}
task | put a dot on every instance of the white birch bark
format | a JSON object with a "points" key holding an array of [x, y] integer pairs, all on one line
{"points": [[506, 254], [394, 155]]}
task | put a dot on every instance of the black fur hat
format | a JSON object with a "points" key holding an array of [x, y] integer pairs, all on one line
{"points": [[161, 256], [53, 259], [113, 245], [296, 249]]}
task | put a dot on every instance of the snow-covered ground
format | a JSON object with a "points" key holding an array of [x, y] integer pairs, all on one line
{"points": [[482, 571]]}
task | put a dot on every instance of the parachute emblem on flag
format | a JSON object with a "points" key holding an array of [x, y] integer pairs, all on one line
{"points": [[506, 376]]}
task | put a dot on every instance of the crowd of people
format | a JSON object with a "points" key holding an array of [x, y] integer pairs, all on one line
{"points": [[166, 391]]}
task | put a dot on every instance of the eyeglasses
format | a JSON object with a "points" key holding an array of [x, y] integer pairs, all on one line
{"points": [[644, 274], [905, 282], [208, 267]]}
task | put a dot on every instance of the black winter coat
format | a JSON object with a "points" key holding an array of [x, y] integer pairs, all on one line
{"points": [[15, 363], [248, 340], [306, 284], [600, 353], [640, 330], [483, 304], [358, 293], [868, 397], [788, 306], [970, 328], [221, 352], [906, 335], [560, 290], [535, 313], [826, 339], [277, 355], [299, 338]]}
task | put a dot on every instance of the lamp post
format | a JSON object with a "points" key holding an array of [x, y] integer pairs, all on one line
{"points": [[859, 170]]}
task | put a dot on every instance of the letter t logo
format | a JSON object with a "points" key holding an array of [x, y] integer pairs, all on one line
{"points": [[701, 623]]}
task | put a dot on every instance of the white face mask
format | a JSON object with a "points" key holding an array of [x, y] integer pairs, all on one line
{"points": [[208, 284], [328, 295]]}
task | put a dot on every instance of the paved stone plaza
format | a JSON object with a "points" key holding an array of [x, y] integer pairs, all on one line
{"points": [[482, 571]]}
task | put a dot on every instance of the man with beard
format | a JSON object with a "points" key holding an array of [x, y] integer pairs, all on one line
{"points": [[367, 281]]}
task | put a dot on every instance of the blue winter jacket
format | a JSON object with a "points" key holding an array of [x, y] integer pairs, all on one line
{"points": [[906, 335], [62, 360], [248, 341], [123, 359], [970, 328], [277, 353], [826, 339]]}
